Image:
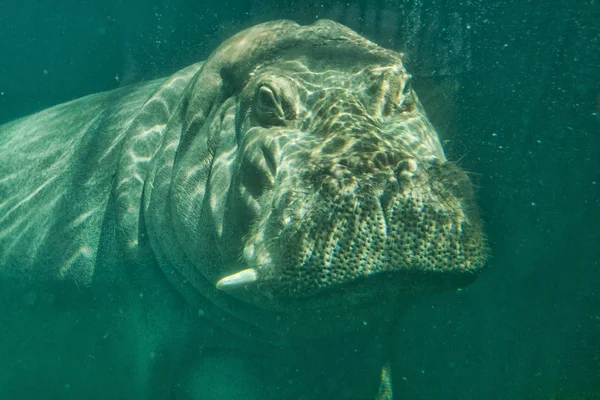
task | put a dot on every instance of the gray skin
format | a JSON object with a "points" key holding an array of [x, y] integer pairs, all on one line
{"points": [[247, 228]]}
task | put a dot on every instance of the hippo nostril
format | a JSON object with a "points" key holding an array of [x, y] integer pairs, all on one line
{"points": [[407, 168], [411, 165], [408, 165]]}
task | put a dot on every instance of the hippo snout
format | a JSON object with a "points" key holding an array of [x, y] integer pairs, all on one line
{"points": [[345, 180]]}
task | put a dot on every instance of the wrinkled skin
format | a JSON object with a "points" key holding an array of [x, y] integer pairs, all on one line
{"points": [[249, 227]]}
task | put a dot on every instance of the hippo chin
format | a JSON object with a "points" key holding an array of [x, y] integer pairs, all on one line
{"points": [[269, 210]]}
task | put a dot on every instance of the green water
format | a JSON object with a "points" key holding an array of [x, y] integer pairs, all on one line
{"points": [[514, 89]]}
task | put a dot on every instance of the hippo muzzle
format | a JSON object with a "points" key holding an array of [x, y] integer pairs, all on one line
{"points": [[348, 181]]}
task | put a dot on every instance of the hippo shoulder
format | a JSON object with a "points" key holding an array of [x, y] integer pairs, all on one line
{"points": [[57, 173]]}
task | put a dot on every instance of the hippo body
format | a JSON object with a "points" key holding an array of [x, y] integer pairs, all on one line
{"points": [[247, 228]]}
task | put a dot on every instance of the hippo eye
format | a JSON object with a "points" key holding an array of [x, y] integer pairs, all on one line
{"points": [[266, 97], [268, 107]]}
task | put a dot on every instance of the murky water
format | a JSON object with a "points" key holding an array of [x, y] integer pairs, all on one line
{"points": [[513, 88]]}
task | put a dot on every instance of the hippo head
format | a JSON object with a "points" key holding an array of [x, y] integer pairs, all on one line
{"points": [[307, 168]]}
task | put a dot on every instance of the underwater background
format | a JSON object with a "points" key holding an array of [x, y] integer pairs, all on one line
{"points": [[514, 89]]}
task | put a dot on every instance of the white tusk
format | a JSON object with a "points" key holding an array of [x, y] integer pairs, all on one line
{"points": [[244, 277]]}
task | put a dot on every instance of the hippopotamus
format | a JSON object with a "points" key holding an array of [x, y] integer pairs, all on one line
{"points": [[250, 227]]}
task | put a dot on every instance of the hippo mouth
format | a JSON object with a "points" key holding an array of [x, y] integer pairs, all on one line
{"points": [[405, 228]]}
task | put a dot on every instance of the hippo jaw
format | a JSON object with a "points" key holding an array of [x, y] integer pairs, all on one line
{"points": [[413, 224], [353, 185], [339, 235]]}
